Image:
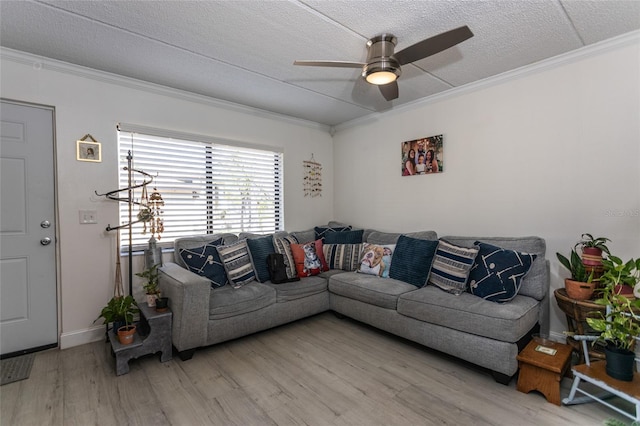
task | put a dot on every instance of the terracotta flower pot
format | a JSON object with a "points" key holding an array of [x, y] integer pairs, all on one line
{"points": [[578, 290], [125, 334]]}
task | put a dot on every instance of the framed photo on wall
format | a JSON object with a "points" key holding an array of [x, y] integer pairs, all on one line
{"points": [[422, 156], [88, 151]]}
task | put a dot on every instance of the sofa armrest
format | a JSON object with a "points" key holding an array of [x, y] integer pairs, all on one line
{"points": [[188, 295]]}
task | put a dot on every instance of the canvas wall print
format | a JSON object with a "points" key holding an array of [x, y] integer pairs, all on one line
{"points": [[422, 156]]}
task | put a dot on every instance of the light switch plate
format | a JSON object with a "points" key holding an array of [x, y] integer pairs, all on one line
{"points": [[88, 217]]}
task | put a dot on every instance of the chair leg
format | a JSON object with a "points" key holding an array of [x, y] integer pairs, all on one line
{"points": [[572, 394]]}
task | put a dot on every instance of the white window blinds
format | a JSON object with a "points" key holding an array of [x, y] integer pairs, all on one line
{"points": [[207, 187]]}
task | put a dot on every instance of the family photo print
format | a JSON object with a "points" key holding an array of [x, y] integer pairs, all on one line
{"points": [[422, 156]]}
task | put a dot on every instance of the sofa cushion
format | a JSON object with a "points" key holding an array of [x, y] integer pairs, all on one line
{"points": [[321, 231], [205, 261], [228, 302], [377, 237], [375, 259], [505, 322], [373, 290], [497, 272], [198, 241], [344, 237], [451, 267], [342, 256], [297, 290], [536, 283], [303, 236], [309, 259], [283, 246], [237, 263], [412, 260], [260, 248]]}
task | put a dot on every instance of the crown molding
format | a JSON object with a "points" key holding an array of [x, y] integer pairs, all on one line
{"points": [[41, 62], [535, 68]]}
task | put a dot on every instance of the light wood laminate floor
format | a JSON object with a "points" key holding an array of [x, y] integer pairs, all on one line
{"points": [[318, 371]]}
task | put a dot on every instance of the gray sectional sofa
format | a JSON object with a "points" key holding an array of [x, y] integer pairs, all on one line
{"points": [[482, 332]]}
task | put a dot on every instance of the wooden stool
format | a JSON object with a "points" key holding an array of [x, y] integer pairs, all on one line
{"points": [[543, 372]]}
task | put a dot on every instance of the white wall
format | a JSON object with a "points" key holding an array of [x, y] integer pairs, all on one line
{"points": [[91, 102], [554, 153]]}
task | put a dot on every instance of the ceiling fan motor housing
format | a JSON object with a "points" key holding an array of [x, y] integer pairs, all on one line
{"points": [[380, 56]]}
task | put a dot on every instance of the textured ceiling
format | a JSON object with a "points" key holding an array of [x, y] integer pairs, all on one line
{"points": [[243, 51]]}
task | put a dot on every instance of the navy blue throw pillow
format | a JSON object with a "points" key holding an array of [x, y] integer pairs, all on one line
{"points": [[260, 249], [412, 260], [322, 231], [343, 237], [497, 273], [205, 261]]}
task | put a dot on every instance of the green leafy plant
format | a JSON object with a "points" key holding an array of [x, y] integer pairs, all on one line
{"points": [[576, 267], [621, 325], [151, 275], [587, 240], [119, 309]]}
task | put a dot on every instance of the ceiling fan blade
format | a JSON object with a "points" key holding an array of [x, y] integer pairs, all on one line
{"points": [[339, 64], [433, 45], [389, 91]]}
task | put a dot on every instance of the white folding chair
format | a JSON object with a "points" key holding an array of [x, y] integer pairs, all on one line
{"points": [[610, 387]]}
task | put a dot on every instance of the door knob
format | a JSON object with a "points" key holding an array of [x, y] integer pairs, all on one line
{"points": [[45, 224], [45, 241]]}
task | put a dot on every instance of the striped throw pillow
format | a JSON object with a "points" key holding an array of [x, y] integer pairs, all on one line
{"points": [[451, 267], [342, 256], [237, 262]]}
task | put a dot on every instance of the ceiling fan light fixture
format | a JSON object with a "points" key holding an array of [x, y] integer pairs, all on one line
{"points": [[380, 78], [381, 73]]}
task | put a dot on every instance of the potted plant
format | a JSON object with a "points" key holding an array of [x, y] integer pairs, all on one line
{"points": [[151, 284], [580, 286], [120, 312], [592, 249], [620, 326]]}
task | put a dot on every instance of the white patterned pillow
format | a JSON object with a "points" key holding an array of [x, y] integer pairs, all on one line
{"points": [[237, 262]]}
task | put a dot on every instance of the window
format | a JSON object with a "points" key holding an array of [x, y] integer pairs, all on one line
{"points": [[207, 186]]}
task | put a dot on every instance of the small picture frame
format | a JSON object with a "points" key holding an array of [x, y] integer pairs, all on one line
{"points": [[88, 151]]}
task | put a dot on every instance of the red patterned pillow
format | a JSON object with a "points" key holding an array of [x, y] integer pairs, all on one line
{"points": [[309, 258]]}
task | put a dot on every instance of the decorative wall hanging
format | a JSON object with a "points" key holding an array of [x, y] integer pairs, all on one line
{"points": [[88, 150], [422, 156], [312, 178]]}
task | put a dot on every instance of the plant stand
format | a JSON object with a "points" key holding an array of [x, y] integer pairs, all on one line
{"points": [[153, 335], [595, 374]]}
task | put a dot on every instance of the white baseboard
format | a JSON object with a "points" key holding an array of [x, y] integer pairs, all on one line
{"points": [[81, 337]]}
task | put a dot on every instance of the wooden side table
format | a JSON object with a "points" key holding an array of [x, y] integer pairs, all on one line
{"points": [[577, 312], [543, 372]]}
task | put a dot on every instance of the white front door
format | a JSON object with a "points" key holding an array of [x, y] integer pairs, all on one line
{"points": [[28, 290]]}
